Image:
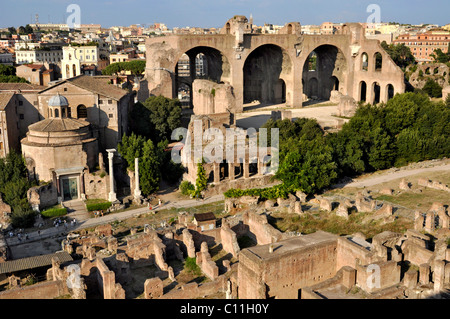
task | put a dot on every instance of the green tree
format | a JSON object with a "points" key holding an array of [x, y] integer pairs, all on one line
{"points": [[399, 53], [201, 181], [12, 30], [440, 57], [149, 172], [164, 116], [433, 89], [136, 67]]}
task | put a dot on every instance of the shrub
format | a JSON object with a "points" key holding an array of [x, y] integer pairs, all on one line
{"points": [[187, 188], [54, 212], [98, 206]]}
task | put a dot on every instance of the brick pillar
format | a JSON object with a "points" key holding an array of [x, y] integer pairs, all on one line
{"points": [[424, 274], [429, 222], [438, 278]]}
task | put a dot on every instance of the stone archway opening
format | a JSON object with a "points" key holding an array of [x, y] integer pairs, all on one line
{"points": [[363, 91], [265, 73], [200, 63], [376, 88], [323, 72]]}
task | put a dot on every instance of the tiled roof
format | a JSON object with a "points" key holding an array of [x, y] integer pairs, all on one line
{"points": [[58, 125], [4, 99], [33, 262], [204, 217], [20, 86], [99, 85]]}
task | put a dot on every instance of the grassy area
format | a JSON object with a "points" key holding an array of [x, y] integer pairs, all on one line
{"points": [[190, 265], [97, 204], [55, 211], [329, 222]]}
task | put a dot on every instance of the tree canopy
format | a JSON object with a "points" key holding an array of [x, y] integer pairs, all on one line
{"points": [[156, 118], [14, 185], [399, 53], [136, 67]]}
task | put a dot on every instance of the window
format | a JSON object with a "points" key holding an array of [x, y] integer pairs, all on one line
{"points": [[65, 89], [1, 146], [56, 113], [109, 101], [100, 101], [20, 103], [111, 115], [21, 116], [81, 111]]}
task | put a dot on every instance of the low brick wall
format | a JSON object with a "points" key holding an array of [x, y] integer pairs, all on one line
{"points": [[45, 290]]}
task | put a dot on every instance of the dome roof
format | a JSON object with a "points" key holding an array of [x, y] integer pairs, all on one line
{"points": [[58, 100]]}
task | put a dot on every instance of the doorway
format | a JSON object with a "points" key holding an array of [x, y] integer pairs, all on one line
{"points": [[70, 188]]}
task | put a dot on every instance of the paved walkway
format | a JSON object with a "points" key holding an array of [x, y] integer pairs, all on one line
{"points": [[93, 222]]}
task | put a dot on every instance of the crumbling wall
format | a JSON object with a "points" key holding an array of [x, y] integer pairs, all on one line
{"points": [[205, 262], [45, 290], [260, 229], [378, 275], [229, 239], [105, 278], [348, 254]]}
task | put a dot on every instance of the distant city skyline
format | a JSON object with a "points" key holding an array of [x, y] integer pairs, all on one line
{"points": [[206, 13]]}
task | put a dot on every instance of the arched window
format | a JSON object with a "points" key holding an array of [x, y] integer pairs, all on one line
{"points": [[74, 70], [81, 111], [365, 62], [51, 112], [376, 93], [363, 91], [289, 29], [228, 28], [56, 113], [378, 61], [390, 92], [67, 71], [63, 112]]}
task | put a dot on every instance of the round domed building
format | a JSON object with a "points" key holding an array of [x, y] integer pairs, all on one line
{"points": [[59, 149]]}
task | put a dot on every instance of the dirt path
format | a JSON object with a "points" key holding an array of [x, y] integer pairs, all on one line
{"points": [[392, 175]]}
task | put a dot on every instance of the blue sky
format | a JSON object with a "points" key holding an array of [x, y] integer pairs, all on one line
{"points": [[214, 13]]}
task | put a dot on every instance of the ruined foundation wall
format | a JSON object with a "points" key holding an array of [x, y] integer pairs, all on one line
{"points": [[46, 290], [263, 232], [348, 253]]}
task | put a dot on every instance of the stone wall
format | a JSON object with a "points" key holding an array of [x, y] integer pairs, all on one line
{"points": [[41, 197], [96, 186], [45, 290], [378, 275], [260, 229], [281, 269], [348, 253], [229, 239]]}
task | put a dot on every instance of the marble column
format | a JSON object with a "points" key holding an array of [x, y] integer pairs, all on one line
{"points": [[137, 191], [112, 194]]}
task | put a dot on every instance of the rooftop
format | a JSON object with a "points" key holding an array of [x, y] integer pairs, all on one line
{"points": [[58, 125], [287, 246], [204, 217], [33, 262], [5, 97]]}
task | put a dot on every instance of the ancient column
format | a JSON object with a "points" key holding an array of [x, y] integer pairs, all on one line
{"points": [[246, 167], [231, 173], [112, 194], [216, 172], [137, 191], [82, 188]]}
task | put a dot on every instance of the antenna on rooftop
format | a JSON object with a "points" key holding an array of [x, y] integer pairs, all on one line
{"points": [[36, 17]]}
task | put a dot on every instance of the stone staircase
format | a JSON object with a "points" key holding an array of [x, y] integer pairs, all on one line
{"points": [[76, 209]]}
